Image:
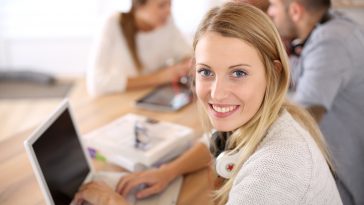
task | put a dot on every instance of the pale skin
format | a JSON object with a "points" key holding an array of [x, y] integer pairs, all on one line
{"points": [[230, 80], [149, 16], [295, 21]]}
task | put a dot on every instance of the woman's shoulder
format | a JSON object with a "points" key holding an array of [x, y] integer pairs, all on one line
{"points": [[288, 161], [287, 129], [110, 29], [112, 19], [289, 142], [286, 146], [165, 31], [109, 21]]}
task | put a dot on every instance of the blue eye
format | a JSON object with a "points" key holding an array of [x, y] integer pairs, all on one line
{"points": [[239, 73], [205, 72]]}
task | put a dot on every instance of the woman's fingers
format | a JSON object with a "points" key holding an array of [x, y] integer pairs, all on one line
{"points": [[98, 193], [155, 189], [87, 192], [145, 183], [123, 182], [134, 183]]}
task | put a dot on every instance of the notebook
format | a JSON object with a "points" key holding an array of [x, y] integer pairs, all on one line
{"points": [[61, 165], [118, 143]]}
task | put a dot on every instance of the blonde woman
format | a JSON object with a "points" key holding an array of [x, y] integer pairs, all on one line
{"points": [[242, 75], [139, 48], [272, 152]]}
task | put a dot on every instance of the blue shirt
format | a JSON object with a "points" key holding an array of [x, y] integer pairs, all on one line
{"points": [[330, 73]]}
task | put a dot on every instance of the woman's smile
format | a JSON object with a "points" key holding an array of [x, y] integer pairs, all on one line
{"points": [[222, 111]]}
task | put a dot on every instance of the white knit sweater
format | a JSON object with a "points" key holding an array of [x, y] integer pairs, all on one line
{"points": [[287, 168]]}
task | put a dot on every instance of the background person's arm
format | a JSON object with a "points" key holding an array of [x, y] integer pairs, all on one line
{"points": [[162, 76], [325, 74], [197, 157]]}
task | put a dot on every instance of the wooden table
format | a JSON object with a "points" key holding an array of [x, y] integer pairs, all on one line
{"points": [[18, 184]]}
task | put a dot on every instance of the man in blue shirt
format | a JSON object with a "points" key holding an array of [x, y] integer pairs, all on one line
{"points": [[328, 79]]}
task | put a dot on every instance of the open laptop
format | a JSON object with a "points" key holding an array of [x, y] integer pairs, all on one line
{"points": [[61, 164]]}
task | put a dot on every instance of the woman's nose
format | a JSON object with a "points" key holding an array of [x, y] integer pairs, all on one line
{"points": [[219, 89]]}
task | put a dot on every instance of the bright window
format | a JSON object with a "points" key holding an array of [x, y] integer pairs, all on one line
{"points": [[61, 18]]}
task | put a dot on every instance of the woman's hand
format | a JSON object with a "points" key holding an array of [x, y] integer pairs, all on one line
{"points": [[169, 74], [98, 193], [174, 72], [155, 180], [184, 66]]}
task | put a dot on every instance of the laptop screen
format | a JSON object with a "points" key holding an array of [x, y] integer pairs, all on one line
{"points": [[61, 159]]}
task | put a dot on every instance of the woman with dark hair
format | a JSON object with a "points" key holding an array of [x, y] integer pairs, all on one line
{"points": [[139, 48]]}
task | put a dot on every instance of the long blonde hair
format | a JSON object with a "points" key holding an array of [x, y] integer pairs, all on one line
{"points": [[254, 27]]}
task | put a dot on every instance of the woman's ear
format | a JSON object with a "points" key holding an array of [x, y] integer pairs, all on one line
{"points": [[278, 66]]}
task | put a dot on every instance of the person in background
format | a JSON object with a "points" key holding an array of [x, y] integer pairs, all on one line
{"points": [[275, 151], [328, 79], [139, 48], [264, 5], [145, 33]]}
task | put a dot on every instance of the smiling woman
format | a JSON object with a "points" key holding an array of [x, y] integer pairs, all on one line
{"points": [[220, 71], [272, 151]]}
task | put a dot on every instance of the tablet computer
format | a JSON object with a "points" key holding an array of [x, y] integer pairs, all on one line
{"points": [[167, 97]]}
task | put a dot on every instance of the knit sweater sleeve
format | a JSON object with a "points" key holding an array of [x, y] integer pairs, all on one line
{"points": [[277, 173]]}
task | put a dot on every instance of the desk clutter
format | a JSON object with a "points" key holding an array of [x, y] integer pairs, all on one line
{"points": [[136, 142]]}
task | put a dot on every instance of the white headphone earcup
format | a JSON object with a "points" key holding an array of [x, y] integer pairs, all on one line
{"points": [[225, 164]]}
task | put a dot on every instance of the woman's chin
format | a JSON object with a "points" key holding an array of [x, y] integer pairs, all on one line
{"points": [[222, 127]]}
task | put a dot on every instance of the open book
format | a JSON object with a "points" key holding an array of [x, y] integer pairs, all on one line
{"points": [[136, 142]]}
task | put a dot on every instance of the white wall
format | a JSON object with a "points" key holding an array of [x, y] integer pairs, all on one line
{"points": [[67, 55], [55, 36], [46, 35]]}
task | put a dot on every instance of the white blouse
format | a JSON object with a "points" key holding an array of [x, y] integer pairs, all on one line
{"points": [[111, 62]]}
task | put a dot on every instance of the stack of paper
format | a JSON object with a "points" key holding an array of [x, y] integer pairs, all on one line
{"points": [[117, 141]]}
